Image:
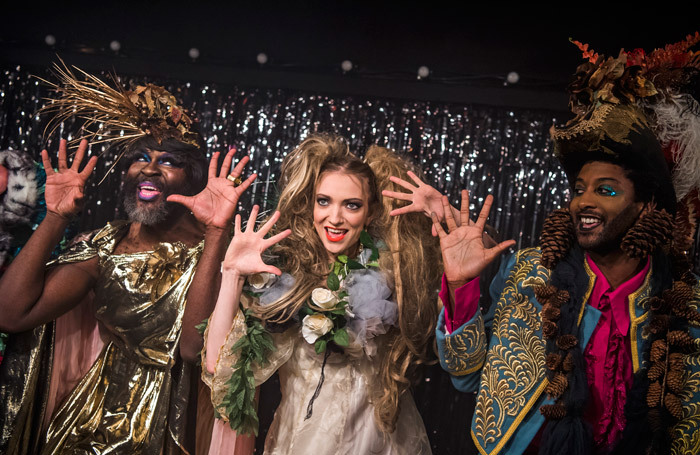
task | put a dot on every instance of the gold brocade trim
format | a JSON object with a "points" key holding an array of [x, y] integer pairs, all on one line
{"points": [[693, 305], [594, 123], [515, 361], [516, 422], [685, 434], [635, 321], [465, 352], [589, 291]]}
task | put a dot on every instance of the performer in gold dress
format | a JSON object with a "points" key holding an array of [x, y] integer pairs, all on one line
{"points": [[152, 278], [346, 343]]}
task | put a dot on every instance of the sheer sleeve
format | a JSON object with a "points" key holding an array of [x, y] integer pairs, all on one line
{"points": [[284, 346]]}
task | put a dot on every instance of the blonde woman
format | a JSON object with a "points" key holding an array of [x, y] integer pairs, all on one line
{"points": [[349, 304]]}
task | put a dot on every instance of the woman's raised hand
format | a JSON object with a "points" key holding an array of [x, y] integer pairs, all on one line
{"points": [[244, 252], [215, 205], [65, 188], [423, 198], [463, 252]]}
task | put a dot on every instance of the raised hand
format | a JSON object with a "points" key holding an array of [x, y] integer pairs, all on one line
{"points": [[216, 204], [423, 198], [65, 188], [244, 252], [463, 252]]}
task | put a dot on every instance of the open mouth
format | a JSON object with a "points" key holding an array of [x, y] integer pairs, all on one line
{"points": [[148, 191], [335, 235], [588, 222]]}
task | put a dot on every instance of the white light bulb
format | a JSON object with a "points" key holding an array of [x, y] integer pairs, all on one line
{"points": [[50, 40], [513, 77], [262, 58], [115, 45], [194, 53], [346, 66], [423, 72]]}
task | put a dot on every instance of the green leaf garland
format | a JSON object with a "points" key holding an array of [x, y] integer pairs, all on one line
{"points": [[239, 401]]}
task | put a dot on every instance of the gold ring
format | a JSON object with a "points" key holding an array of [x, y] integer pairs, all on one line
{"points": [[236, 180]]}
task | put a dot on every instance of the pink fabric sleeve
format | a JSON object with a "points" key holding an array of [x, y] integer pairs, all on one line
{"points": [[76, 347], [466, 303], [225, 441]]}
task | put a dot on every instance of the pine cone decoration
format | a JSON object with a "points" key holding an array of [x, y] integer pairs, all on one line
{"points": [[656, 371], [658, 324], [679, 295], [674, 381], [566, 342], [553, 361], [657, 304], [658, 350], [560, 298], [684, 226], [549, 329], [655, 419], [649, 232], [674, 405], [551, 313], [556, 237], [553, 411], [676, 361], [543, 293], [557, 385], [688, 277], [679, 338], [654, 394], [568, 364], [686, 313]]}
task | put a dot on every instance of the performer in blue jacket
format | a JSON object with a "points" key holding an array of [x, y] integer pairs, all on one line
{"points": [[590, 344]]}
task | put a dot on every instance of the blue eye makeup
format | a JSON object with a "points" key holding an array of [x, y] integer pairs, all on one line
{"points": [[607, 190], [169, 160], [163, 160]]}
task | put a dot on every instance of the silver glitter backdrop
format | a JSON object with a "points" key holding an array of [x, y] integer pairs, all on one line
{"points": [[484, 149]]}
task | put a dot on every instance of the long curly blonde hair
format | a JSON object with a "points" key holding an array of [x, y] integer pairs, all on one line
{"points": [[413, 257]]}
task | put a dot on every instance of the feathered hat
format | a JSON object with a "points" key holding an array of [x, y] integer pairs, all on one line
{"points": [[639, 110]]}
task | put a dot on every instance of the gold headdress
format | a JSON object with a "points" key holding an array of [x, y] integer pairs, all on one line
{"points": [[116, 115]]}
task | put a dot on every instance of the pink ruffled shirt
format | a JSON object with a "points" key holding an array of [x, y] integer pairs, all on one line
{"points": [[608, 356], [608, 353]]}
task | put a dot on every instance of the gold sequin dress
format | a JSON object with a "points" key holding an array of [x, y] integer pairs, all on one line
{"points": [[134, 398]]}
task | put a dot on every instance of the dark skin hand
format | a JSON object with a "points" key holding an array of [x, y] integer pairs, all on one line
{"points": [[464, 253], [214, 207], [35, 296], [31, 294], [424, 199]]}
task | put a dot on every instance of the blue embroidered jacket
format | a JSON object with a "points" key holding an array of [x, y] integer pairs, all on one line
{"points": [[501, 355]]}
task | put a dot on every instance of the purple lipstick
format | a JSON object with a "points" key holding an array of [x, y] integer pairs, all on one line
{"points": [[148, 191]]}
